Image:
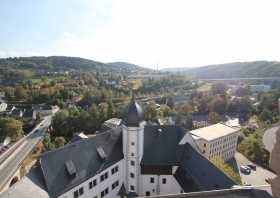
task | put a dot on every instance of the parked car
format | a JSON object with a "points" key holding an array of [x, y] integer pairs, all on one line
{"points": [[252, 166], [245, 169], [267, 180]]}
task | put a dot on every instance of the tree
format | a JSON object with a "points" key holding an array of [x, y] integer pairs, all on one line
{"points": [[214, 118], [245, 107], [219, 105], [226, 169], [243, 91], [20, 93], [150, 112], [185, 110], [94, 116], [60, 123], [165, 110], [59, 142], [253, 148], [11, 127], [266, 115], [219, 88], [170, 101], [48, 145], [111, 109], [103, 112]]}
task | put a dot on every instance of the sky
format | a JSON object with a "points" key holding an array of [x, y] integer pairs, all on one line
{"points": [[170, 33]]}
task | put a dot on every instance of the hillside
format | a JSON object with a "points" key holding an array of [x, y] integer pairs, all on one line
{"points": [[237, 70], [124, 66], [61, 63]]}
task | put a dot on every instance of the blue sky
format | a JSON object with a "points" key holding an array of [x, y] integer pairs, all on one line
{"points": [[174, 33]]}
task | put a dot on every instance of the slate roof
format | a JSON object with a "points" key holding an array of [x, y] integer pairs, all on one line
{"points": [[85, 158], [203, 173], [161, 145], [134, 114], [200, 118]]}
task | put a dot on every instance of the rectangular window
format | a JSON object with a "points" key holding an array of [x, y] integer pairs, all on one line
{"points": [[76, 193], [132, 188], [103, 193], [132, 175], [132, 143], [106, 191], [132, 154], [79, 192], [164, 180], [115, 184], [114, 170], [132, 163], [92, 184], [147, 193], [103, 177], [152, 180]]}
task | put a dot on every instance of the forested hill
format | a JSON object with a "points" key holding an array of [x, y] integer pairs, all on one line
{"points": [[237, 70], [127, 66], [60, 63]]}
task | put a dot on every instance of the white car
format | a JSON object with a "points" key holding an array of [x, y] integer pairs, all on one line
{"points": [[245, 169]]}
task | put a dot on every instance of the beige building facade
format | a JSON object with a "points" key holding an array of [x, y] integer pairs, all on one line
{"points": [[216, 141]]}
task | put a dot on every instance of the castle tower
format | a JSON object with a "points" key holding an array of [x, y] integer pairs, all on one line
{"points": [[133, 143]]}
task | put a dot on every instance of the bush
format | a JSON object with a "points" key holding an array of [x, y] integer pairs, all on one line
{"points": [[226, 169], [253, 148]]}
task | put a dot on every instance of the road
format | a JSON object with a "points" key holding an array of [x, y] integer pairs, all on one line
{"points": [[14, 160], [269, 137], [256, 177]]}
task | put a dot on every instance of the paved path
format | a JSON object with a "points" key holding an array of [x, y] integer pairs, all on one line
{"points": [[269, 137], [256, 177], [14, 160]]}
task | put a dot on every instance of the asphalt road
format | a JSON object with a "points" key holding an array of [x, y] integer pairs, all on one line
{"points": [[256, 177], [11, 164]]}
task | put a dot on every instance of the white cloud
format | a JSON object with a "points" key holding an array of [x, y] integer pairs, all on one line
{"points": [[182, 33]]}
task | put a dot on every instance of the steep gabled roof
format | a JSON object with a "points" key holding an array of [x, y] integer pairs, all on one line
{"points": [[204, 174], [84, 159], [161, 145]]}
